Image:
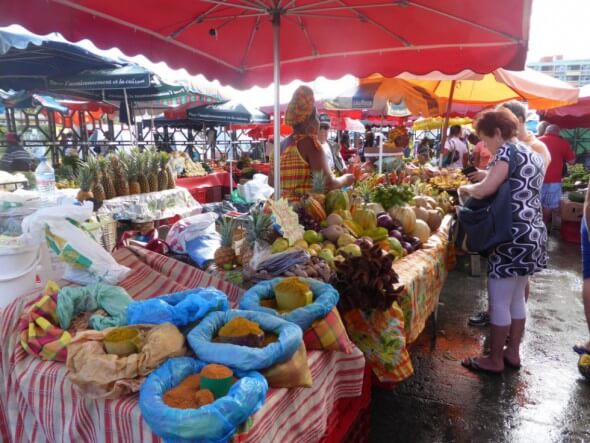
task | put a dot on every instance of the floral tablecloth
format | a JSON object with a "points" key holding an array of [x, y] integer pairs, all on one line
{"points": [[383, 336]]}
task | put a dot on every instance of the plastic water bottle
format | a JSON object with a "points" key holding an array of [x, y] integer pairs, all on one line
{"points": [[45, 178]]}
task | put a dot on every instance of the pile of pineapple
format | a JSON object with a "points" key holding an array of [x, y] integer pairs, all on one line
{"points": [[125, 174]]}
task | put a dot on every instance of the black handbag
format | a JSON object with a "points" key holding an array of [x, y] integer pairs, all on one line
{"points": [[483, 224]]}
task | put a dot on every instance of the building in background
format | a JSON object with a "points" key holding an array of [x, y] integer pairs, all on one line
{"points": [[575, 72]]}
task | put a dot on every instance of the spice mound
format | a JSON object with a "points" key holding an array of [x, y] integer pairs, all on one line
{"points": [[241, 331], [183, 395], [292, 293]]}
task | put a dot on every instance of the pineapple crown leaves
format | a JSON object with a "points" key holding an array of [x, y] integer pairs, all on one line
{"points": [[86, 177], [226, 228], [164, 158], [259, 224]]}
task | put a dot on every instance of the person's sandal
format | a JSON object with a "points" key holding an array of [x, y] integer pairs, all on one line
{"points": [[479, 319]]}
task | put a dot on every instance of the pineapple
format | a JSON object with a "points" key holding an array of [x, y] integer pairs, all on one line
{"points": [[162, 174], [225, 256], [153, 166], [170, 176], [318, 182], [119, 168], [142, 164], [106, 179], [132, 165], [97, 188], [86, 178], [258, 228]]}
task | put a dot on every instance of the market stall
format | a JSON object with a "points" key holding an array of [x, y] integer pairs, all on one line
{"points": [[54, 408]]}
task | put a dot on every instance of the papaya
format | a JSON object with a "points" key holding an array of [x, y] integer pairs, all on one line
{"points": [[337, 199], [366, 218]]}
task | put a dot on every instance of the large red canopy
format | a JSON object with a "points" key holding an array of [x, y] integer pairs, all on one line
{"points": [[232, 40]]}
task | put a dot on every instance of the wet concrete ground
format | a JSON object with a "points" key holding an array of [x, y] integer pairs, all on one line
{"points": [[546, 401]]}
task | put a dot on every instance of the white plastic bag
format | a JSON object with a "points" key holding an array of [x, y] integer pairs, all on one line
{"points": [[87, 262], [256, 189], [187, 229]]}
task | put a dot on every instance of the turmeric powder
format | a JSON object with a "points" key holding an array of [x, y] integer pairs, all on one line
{"points": [[183, 396], [240, 326], [216, 371], [204, 397]]}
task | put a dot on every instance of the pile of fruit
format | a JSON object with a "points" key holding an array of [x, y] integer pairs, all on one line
{"points": [[449, 180], [577, 178], [183, 162], [125, 174]]}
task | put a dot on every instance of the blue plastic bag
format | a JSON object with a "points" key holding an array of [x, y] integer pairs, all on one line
{"points": [[325, 298], [179, 308], [245, 358], [215, 422], [202, 249]]}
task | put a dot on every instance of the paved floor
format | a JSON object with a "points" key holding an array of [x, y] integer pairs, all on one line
{"points": [[546, 401]]}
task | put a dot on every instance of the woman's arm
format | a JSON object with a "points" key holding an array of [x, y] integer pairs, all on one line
{"points": [[317, 161], [476, 158], [490, 184]]}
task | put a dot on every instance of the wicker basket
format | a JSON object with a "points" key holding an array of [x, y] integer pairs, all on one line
{"points": [[108, 235]]}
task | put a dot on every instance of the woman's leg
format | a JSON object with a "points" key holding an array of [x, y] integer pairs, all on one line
{"points": [[500, 292], [518, 315], [586, 274]]}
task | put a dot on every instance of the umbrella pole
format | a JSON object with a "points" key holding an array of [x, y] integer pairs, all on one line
{"points": [[381, 146], [276, 26], [129, 117], [443, 137], [230, 158]]}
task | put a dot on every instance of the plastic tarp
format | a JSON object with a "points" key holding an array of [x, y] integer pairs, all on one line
{"points": [[212, 423], [325, 299], [179, 308], [245, 358]]}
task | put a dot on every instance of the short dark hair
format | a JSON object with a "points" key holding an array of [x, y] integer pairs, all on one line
{"points": [[501, 119], [455, 130], [517, 108]]}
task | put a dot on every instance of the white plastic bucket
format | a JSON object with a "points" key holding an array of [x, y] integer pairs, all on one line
{"points": [[14, 260], [18, 284]]}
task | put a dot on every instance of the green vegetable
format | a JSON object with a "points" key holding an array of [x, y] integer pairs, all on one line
{"points": [[577, 197], [392, 195]]}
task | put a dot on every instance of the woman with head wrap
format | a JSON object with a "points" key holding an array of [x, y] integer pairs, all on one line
{"points": [[304, 154]]}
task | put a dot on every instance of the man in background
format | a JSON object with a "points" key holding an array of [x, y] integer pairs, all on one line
{"points": [[331, 150], [16, 158], [561, 153]]}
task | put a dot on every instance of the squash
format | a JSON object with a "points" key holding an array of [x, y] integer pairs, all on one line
{"points": [[405, 216], [421, 213], [421, 230], [434, 219], [314, 209], [337, 199], [366, 218]]}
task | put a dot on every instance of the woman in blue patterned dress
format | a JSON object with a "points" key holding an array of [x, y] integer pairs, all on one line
{"points": [[511, 263]]}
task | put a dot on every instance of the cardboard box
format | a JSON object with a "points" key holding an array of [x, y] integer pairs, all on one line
{"points": [[571, 211]]}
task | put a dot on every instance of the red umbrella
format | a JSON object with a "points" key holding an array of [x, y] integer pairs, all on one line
{"points": [[572, 116], [252, 42]]}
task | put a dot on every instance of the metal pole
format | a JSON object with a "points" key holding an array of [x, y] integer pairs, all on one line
{"points": [[129, 117], [381, 146], [276, 26], [443, 137]]}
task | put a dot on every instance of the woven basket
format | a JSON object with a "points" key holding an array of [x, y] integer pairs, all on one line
{"points": [[108, 236]]}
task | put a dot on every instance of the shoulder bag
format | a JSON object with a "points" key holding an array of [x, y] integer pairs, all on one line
{"points": [[483, 224]]}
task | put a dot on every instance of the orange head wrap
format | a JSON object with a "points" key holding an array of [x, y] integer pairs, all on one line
{"points": [[300, 107]]}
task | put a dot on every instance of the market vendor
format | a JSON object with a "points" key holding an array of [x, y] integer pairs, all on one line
{"points": [[331, 150], [305, 154], [16, 158]]}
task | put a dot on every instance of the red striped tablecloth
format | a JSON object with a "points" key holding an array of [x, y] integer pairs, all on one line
{"points": [[39, 404]]}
